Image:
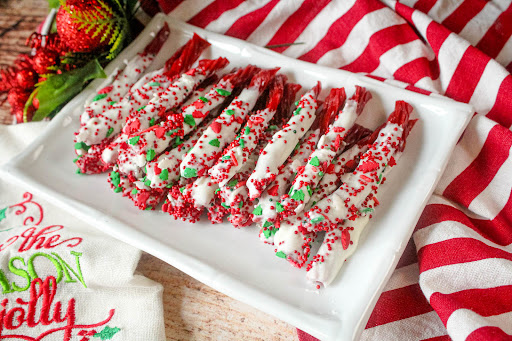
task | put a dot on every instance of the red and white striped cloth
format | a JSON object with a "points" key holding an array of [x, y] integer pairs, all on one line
{"points": [[455, 279]]}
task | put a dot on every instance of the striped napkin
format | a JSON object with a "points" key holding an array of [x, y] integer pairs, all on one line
{"points": [[455, 279]]}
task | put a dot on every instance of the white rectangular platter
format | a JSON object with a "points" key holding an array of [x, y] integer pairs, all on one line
{"points": [[234, 261]]}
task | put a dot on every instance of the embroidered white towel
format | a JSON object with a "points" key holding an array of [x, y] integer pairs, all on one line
{"points": [[62, 279]]}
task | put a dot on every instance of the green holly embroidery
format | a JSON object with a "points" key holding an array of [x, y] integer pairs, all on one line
{"points": [[2, 214], [107, 333]]}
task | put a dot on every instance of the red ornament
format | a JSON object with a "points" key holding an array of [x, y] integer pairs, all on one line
{"points": [[75, 34], [17, 97], [43, 59], [26, 78]]}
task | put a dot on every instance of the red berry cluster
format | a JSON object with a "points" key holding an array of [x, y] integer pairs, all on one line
{"points": [[19, 80]]}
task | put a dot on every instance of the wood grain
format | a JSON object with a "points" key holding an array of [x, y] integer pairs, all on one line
{"points": [[192, 310]]}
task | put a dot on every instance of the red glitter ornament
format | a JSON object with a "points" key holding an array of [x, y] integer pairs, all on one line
{"points": [[80, 36]]}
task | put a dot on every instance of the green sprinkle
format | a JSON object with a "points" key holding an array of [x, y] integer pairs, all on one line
{"points": [[267, 233], [320, 174], [230, 112], [242, 143], [169, 185], [247, 131], [297, 111], [317, 219], [78, 171], [258, 210], [281, 254], [150, 155], [118, 189], [224, 205], [134, 140], [267, 224], [296, 146], [279, 207], [98, 97], [178, 141], [366, 210], [115, 178], [189, 119], [291, 191], [152, 122], [172, 132], [315, 162], [204, 99], [309, 190], [240, 204], [296, 103], [112, 103], [154, 84], [134, 191], [298, 195], [82, 145], [273, 127], [232, 183], [75, 160], [141, 108], [223, 92], [226, 157], [182, 189], [148, 208], [214, 142], [110, 131], [190, 173], [164, 174], [147, 183], [217, 190]]}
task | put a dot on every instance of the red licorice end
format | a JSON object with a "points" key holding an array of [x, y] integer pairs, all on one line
{"points": [[156, 44], [183, 59]]}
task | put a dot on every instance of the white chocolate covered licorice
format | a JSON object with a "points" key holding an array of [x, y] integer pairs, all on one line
{"points": [[345, 202], [225, 127], [341, 242], [167, 101], [94, 141], [145, 146], [291, 244], [243, 145], [122, 80], [265, 212], [357, 144], [292, 239], [165, 170], [154, 140], [283, 142], [331, 143]]}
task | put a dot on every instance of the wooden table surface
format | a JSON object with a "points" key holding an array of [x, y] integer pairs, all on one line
{"points": [[193, 311]]}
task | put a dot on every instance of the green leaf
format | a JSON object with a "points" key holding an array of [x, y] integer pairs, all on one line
{"points": [[57, 90], [53, 4], [2, 214], [107, 333]]}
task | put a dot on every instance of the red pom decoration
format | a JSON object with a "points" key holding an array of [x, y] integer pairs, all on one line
{"points": [[26, 78], [18, 97], [43, 59]]}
